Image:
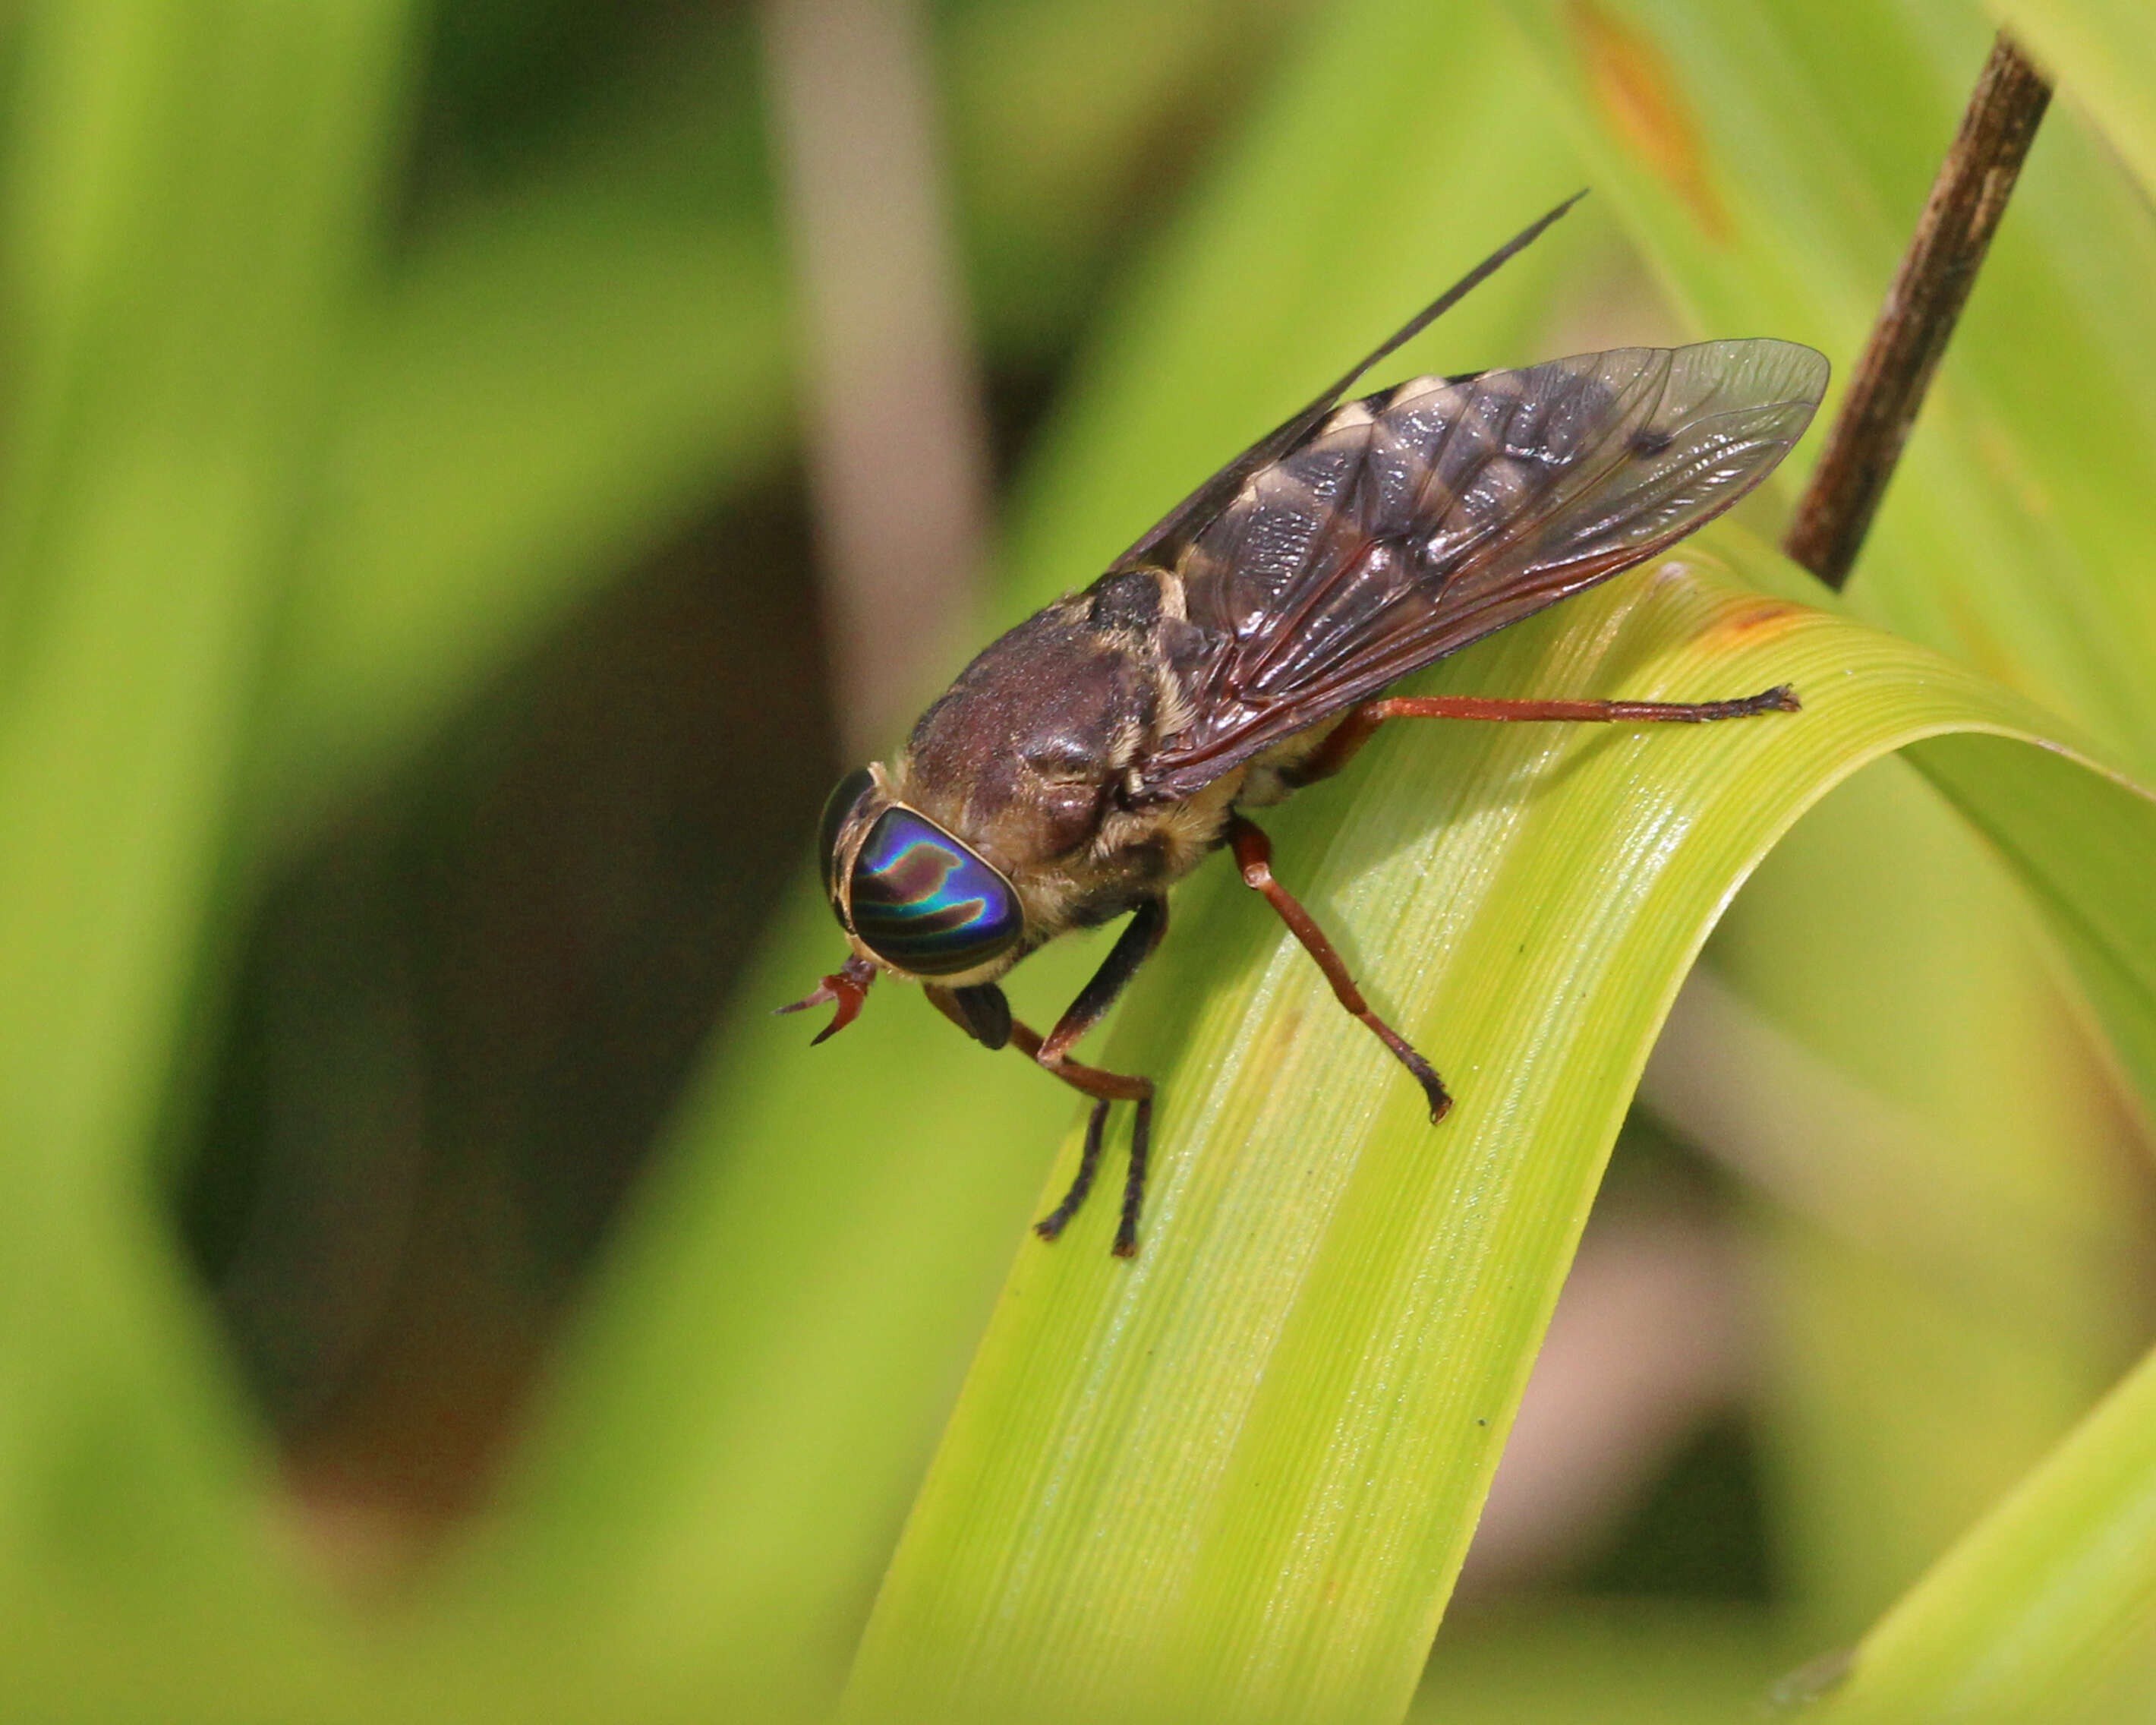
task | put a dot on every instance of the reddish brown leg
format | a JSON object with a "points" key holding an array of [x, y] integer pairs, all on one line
{"points": [[1254, 856], [1351, 732]]}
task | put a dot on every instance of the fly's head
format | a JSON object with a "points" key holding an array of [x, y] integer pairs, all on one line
{"points": [[999, 826], [913, 896]]}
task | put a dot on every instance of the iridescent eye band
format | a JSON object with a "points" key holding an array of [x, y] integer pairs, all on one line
{"points": [[923, 901]]}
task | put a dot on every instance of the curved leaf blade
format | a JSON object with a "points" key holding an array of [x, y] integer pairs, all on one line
{"points": [[2048, 1609], [1234, 1481]]}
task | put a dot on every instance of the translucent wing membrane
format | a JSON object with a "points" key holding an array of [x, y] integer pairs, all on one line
{"points": [[1169, 537], [1412, 522]]}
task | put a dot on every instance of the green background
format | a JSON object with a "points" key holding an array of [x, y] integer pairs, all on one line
{"points": [[435, 1286]]}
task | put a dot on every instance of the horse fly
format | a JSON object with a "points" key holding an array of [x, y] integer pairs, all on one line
{"points": [[1100, 750]]}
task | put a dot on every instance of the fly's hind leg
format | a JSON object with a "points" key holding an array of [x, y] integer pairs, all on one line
{"points": [[1254, 856], [1347, 737]]}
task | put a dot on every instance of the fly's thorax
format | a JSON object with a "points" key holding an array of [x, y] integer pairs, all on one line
{"points": [[1277, 774], [1027, 752], [1137, 854], [1008, 818]]}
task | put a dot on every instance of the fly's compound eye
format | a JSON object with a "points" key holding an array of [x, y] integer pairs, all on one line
{"points": [[842, 802], [923, 901]]}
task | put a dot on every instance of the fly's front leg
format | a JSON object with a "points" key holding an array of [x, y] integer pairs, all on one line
{"points": [[1105, 1088], [1347, 737], [1135, 944], [1051, 1225], [1254, 856], [984, 1014]]}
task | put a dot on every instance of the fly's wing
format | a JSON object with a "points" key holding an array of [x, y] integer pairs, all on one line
{"points": [[1408, 524], [1170, 536]]}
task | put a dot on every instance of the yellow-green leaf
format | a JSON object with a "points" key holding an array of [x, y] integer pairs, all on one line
{"points": [[1234, 1481]]}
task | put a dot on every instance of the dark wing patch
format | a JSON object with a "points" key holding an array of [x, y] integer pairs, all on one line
{"points": [[1407, 525]]}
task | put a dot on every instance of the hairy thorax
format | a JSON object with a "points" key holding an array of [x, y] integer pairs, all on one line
{"points": [[1034, 757]]}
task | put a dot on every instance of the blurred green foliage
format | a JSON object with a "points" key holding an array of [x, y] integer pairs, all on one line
{"points": [[360, 357]]}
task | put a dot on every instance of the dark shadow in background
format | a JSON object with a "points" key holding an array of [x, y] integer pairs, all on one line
{"points": [[464, 1017]]}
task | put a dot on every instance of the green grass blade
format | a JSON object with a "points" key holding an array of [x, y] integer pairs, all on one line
{"points": [[1769, 162], [177, 271], [2048, 1609], [546, 384], [1946, 1227], [1234, 1481]]}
